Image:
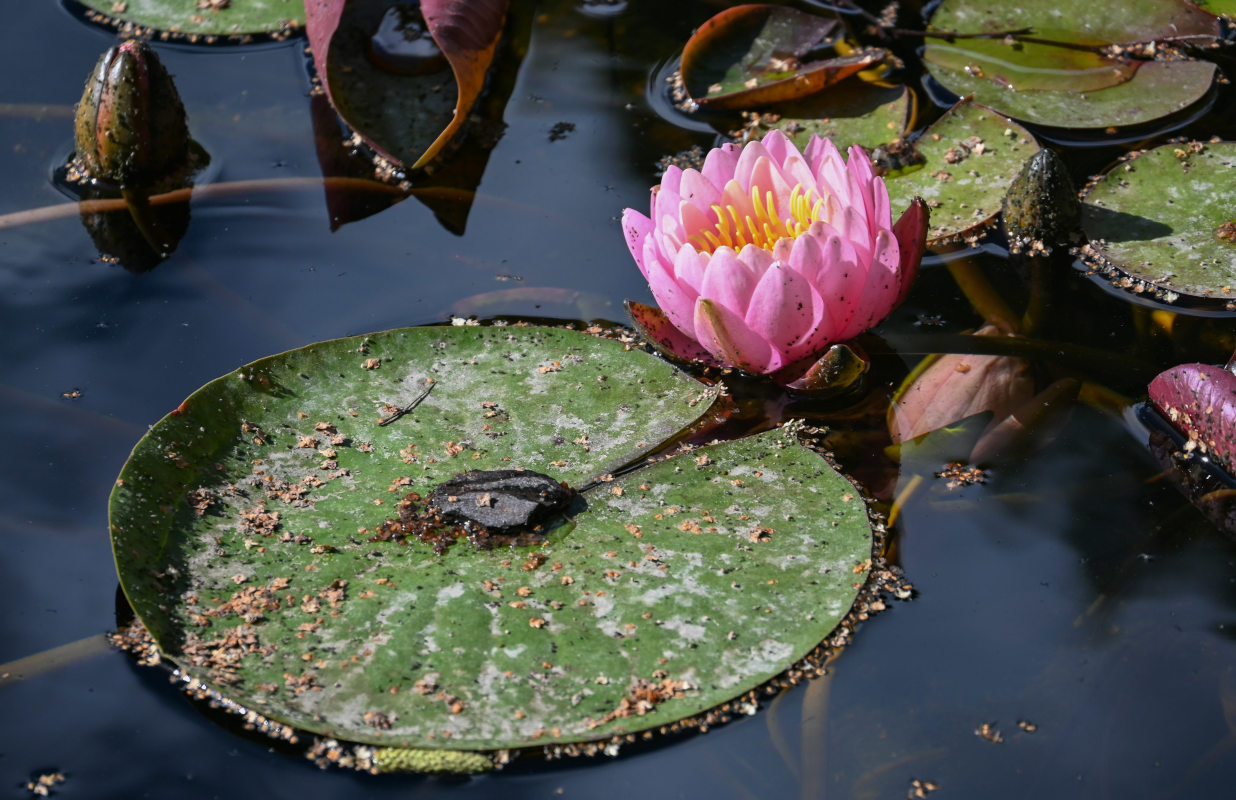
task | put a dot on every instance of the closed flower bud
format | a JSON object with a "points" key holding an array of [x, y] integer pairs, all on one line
{"points": [[1041, 208], [131, 125]]}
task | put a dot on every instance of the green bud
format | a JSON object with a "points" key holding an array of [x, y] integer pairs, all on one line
{"points": [[131, 126], [1041, 208]]}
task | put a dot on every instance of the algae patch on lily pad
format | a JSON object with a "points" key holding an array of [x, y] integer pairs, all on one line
{"points": [[1163, 222], [244, 527]]}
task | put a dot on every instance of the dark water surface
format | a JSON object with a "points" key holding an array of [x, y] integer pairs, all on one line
{"points": [[1075, 590]]}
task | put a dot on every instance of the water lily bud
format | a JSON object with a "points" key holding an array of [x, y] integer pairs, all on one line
{"points": [[131, 125], [1041, 206]]}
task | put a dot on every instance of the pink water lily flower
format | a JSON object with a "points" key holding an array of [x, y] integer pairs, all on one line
{"points": [[767, 256]]}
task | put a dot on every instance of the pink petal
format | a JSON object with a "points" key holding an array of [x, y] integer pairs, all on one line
{"points": [[690, 266], [881, 289], [729, 281], [881, 211], [830, 170], [782, 310], [751, 154], [635, 228], [724, 334], [674, 297], [911, 233], [720, 162], [767, 176], [797, 170], [669, 234], [840, 281], [698, 190], [778, 146], [696, 221], [862, 184]]}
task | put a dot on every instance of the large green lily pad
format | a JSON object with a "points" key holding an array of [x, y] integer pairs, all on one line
{"points": [[1167, 218], [242, 536], [1055, 76], [972, 154], [184, 17]]}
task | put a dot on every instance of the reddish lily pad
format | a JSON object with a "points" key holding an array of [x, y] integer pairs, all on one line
{"points": [[750, 55], [1165, 221], [1059, 78], [1200, 401], [243, 528], [407, 116]]}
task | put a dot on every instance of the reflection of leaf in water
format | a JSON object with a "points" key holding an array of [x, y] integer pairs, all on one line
{"points": [[414, 121], [407, 118]]}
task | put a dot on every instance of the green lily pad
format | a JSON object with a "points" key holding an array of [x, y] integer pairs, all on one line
{"points": [[1222, 8], [1165, 219], [852, 112], [972, 154], [242, 529], [1055, 80], [185, 19]]}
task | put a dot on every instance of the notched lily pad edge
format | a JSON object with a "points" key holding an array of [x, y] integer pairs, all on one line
{"points": [[882, 581], [1092, 261]]}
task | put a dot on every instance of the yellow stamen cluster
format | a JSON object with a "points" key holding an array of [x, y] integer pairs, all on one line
{"points": [[765, 228]]}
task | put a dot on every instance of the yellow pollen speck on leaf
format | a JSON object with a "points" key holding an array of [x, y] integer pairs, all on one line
{"points": [[766, 228]]}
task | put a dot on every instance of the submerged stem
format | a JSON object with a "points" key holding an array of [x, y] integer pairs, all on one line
{"points": [[983, 296], [53, 659], [230, 189]]}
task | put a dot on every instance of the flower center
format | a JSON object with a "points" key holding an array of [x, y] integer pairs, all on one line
{"points": [[765, 228]]}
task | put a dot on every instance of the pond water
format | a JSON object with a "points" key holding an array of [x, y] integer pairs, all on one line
{"points": [[1075, 602]]}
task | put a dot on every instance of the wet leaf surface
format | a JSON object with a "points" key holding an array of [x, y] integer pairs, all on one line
{"points": [[238, 17], [754, 55], [1061, 85], [972, 155], [1199, 400], [1167, 218], [688, 581]]}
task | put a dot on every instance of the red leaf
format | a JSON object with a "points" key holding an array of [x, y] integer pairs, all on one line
{"points": [[1200, 401]]}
